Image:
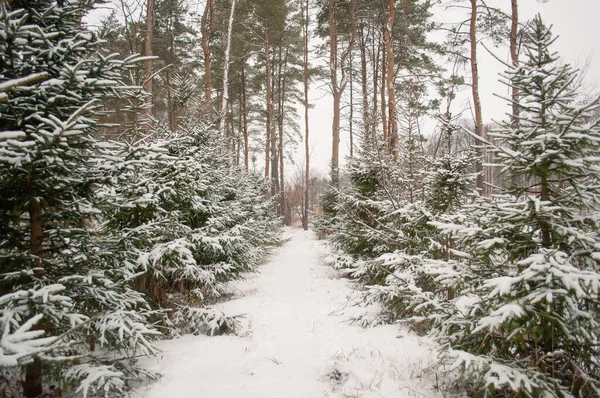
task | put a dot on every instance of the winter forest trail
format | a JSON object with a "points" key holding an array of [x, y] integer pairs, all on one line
{"points": [[296, 341]]}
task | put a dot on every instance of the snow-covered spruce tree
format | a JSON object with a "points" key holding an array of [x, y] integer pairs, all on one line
{"points": [[410, 291], [65, 303], [530, 269], [193, 220], [382, 226], [362, 216]]}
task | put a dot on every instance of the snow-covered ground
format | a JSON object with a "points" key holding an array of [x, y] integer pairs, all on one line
{"points": [[296, 341]]}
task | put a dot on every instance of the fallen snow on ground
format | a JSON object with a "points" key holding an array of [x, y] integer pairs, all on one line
{"points": [[296, 341]]}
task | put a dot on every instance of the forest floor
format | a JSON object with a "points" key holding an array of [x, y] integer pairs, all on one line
{"points": [[296, 340]]}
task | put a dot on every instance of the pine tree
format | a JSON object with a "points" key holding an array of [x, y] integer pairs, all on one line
{"points": [[530, 264], [62, 277]]}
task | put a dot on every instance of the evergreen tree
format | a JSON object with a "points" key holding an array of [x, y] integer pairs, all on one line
{"points": [[61, 278], [527, 319], [191, 219]]}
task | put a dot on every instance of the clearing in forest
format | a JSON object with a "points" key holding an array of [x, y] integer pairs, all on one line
{"points": [[296, 340]]}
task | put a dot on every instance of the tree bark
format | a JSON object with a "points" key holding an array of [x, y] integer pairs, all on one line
{"points": [[514, 56], [475, 92], [32, 387], [306, 130], [271, 147], [351, 121], [282, 71], [391, 88], [333, 70], [375, 62], [206, 28], [226, 66], [365, 94], [244, 115], [170, 105], [148, 53], [384, 124]]}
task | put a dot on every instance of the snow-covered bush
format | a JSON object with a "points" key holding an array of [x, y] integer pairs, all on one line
{"points": [[64, 286], [383, 221], [525, 319], [192, 219]]}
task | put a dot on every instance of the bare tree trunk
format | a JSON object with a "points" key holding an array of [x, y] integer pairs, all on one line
{"points": [[514, 56], [244, 115], [148, 53], [170, 106], [206, 28], [384, 124], [363, 75], [226, 66], [391, 88], [171, 56], [281, 104], [32, 386], [375, 63], [271, 148], [351, 121], [306, 130], [238, 139], [338, 87], [476, 99], [333, 70]]}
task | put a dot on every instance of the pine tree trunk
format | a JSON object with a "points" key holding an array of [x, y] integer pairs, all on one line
{"points": [[476, 99], [365, 94], [384, 123], [206, 29], [335, 126], [351, 121], [375, 61], [306, 130], [148, 53], [32, 387], [514, 56], [244, 115], [271, 150], [269, 102], [170, 106], [393, 126], [226, 66]]}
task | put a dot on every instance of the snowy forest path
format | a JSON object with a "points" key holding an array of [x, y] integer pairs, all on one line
{"points": [[298, 341]]}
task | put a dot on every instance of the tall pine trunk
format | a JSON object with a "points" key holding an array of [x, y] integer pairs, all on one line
{"points": [[306, 130], [244, 114], [206, 29], [333, 72], [391, 85], [148, 53], [364, 89], [475, 92], [225, 98], [384, 123]]}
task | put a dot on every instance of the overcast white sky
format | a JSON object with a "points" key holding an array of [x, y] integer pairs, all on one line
{"points": [[577, 22]]}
